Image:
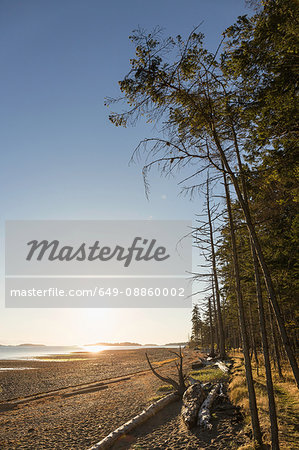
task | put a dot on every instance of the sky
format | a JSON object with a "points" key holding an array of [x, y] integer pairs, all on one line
{"points": [[62, 159]]}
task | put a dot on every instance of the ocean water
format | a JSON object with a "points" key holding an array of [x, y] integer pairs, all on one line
{"points": [[31, 352]]}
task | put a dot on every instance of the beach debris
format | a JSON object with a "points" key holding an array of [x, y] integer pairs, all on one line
{"points": [[180, 385], [222, 366], [204, 413], [192, 400], [199, 398], [109, 440], [197, 364], [222, 395]]}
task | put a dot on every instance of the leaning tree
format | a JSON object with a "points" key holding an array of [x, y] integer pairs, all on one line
{"points": [[183, 84]]}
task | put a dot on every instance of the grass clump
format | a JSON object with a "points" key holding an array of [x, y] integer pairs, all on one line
{"points": [[165, 388], [161, 392], [209, 375]]}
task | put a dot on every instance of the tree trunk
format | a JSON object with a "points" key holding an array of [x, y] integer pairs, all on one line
{"points": [[269, 381], [270, 389], [215, 315], [212, 353], [253, 341], [248, 369], [261, 258], [275, 343], [220, 322]]}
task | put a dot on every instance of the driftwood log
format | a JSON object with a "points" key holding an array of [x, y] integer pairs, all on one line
{"points": [[180, 385], [192, 400], [109, 440], [221, 394], [222, 366], [204, 413], [198, 364]]}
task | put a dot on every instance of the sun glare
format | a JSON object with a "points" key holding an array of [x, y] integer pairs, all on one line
{"points": [[93, 348]]}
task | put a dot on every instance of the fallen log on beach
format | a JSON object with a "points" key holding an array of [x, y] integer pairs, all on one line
{"points": [[204, 413], [192, 400], [196, 365], [222, 366], [109, 440]]}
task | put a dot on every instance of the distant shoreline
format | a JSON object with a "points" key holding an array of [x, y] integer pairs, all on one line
{"points": [[19, 353], [104, 344]]}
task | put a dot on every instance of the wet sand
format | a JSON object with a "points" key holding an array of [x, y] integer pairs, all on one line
{"points": [[54, 372]]}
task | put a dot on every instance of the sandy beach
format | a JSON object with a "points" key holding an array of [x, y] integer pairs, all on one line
{"points": [[59, 371], [74, 401], [67, 417]]}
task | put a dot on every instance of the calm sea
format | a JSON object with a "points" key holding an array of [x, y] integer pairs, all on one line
{"points": [[24, 352], [30, 352]]}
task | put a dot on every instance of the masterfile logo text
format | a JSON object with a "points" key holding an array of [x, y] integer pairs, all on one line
{"points": [[139, 263]]}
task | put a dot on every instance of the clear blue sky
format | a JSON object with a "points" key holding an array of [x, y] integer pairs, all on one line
{"points": [[60, 156]]}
